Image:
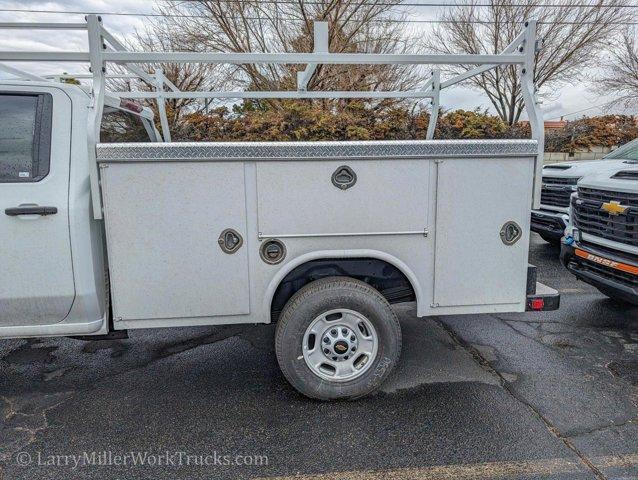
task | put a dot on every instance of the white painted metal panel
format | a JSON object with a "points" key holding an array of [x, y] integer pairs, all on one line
{"points": [[163, 221], [475, 198], [299, 198]]}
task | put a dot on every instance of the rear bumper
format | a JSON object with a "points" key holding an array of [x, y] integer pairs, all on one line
{"points": [[602, 269], [540, 297], [550, 224]]}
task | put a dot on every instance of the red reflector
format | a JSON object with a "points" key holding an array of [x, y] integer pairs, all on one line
{"points": [[537, 304]]}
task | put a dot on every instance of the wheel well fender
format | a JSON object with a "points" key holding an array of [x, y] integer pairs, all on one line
{"points": [[377, 268]]}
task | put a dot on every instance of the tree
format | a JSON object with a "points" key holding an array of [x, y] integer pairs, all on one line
{"points": [[620, 71], [573, 35], [310, 121], [471, 124], [588, 132], [305, 121], [254, 26], [157, 37]]}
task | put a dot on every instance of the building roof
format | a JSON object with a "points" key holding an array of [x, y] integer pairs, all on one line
{"points": [[550, 124]]}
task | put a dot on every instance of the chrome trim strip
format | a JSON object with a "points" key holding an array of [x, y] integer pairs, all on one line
{"points": [[263, 236]]}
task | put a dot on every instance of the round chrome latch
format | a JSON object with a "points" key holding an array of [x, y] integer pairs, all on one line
{"points": [[511, 233], [230, 241], [272, 251]]}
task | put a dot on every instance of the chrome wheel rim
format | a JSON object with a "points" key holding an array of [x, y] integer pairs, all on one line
{"points": [[340, 345]]}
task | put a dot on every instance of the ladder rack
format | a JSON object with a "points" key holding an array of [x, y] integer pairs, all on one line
{"points": [[105, 49]]}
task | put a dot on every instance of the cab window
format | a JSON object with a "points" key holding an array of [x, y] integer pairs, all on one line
{"points": [[25, 137]]}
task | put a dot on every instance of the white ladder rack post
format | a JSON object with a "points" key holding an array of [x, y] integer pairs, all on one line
{"points": [[321, 45], [436, 97], [96, 109], [526, 70], [161, 104]]}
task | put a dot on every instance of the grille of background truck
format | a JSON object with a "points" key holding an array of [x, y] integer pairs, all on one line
{"points": [[556, 191], [589, 218]]}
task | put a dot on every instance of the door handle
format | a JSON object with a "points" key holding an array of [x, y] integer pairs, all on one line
{"points": [[31, 210]]}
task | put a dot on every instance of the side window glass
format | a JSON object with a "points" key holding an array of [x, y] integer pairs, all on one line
{"points": [[25, 137]]}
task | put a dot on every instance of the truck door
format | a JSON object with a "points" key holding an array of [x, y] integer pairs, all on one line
{"points": [[36, 273]]}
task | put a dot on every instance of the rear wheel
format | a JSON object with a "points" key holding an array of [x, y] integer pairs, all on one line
{"points": [[337, 338]]}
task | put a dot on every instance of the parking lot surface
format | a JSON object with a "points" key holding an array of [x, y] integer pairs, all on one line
{"points": [[550, 395]]}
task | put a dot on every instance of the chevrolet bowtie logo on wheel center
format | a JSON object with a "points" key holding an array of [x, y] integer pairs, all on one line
{"points": [[614, 208]]}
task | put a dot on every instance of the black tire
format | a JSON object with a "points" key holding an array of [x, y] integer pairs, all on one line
{"points": [[320, 297]]}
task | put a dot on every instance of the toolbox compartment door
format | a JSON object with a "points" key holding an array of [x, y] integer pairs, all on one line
{"points": [[163, 224], [299, 198], [475, 198]]}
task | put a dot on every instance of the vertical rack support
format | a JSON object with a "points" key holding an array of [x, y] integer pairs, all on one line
{"points": [[321, 45], [96, 107], [530, 99], [436, 93], [161, 104]]}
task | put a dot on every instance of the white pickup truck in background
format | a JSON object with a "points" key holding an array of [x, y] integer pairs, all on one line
{"points": [[601, 242], [559, 182], [319, 237]]}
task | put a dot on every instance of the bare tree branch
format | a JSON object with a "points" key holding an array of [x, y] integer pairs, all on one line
{"points": [[574, 36], [620, 70], [250, 26]]}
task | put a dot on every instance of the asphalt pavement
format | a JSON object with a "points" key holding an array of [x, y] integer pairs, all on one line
{"points": [[551, 395]]}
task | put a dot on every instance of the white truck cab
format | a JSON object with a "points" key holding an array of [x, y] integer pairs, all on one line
{"points": [[99, 237], [52, 280]]}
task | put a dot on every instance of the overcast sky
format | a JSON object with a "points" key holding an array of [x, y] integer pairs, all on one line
{"points": [[566, 101]]}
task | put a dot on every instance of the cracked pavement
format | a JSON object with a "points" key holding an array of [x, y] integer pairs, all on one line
{"points": [[551, 395]]}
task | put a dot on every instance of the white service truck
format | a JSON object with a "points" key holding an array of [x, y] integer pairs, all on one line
{"points": [[319, 237], [601, 240]]}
